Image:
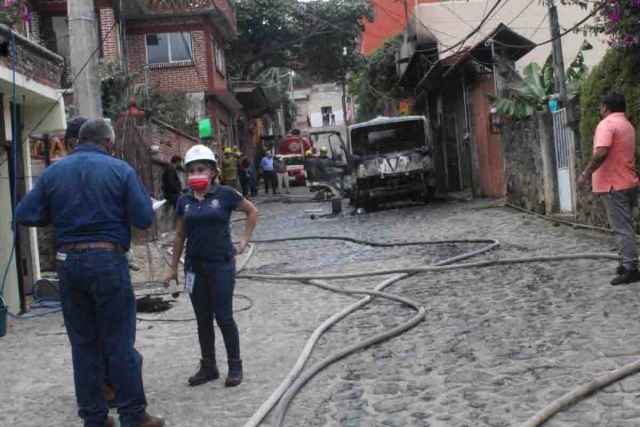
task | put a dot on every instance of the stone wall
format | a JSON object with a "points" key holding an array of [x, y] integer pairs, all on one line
{"points": [[523, 164], [591, 209]]}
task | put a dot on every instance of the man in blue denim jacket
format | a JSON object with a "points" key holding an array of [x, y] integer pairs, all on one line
{"points": [[92, 200]]}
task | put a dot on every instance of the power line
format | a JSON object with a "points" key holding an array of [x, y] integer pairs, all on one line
{"points": [[468, 52], [540, 25], [559, 36], [460, 43], [486, 4], [189, 47], [464, 21], [53, 106], [573, 28]]}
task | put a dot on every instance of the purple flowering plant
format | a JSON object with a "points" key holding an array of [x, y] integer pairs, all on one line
{"points": [[619, 20], [14, 12]]}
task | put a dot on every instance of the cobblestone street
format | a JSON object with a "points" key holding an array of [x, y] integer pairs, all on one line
{"points": [[498, 344]]}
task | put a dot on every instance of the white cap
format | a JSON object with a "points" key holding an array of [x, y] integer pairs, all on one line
{"points": [[199, 153]]}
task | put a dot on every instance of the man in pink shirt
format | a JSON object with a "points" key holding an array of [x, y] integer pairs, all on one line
{"points": [[613, 173]]}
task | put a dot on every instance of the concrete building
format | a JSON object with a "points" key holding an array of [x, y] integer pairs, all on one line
{"points": [[449, 22], [40, 110], [318, 99], [178, 46], [452, 91], [390, 19]]}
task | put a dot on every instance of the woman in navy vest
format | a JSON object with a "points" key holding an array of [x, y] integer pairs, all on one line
{"points": [[202, 217]]}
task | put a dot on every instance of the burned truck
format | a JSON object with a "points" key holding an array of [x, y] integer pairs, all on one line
{"points": [[391, 158]]}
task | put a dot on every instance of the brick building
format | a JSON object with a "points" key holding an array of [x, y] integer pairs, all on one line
{"points": [[177, 46]]}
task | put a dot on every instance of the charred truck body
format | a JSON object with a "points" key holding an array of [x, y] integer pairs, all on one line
{"points": [[391, 158]]}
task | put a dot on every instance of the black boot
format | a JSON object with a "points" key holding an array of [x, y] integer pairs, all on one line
{"points": [[234, 377], [208, 372], [627, 277]]}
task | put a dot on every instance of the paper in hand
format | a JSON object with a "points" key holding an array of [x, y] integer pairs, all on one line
{"points": [[157, 204]]}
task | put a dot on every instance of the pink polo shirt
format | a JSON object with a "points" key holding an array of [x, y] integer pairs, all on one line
{"points": [[618, 172]]}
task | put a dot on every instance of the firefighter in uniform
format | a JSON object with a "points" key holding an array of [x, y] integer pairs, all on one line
{"points": [[323, 165], [310, 166], [230, 169]]}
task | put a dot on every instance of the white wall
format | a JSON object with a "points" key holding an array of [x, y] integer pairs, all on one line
{"points": [[325, 96], [12, 297], [36, 100], [533, 24]]}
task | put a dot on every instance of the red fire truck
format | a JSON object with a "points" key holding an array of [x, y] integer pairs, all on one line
{"points": [[292, 152]]}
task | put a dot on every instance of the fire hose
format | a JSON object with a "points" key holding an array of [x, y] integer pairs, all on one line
{"points": [[296, 379]]}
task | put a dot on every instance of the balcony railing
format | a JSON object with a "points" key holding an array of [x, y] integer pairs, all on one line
{"points": [[33, 60], [221, 11]]}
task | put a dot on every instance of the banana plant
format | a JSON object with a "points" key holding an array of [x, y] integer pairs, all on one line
{"points": [[537, 86]]}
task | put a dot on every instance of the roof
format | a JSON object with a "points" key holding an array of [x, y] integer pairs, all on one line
{"points": [[251, 95], [387, 121], [507, 43], [226, 99]]}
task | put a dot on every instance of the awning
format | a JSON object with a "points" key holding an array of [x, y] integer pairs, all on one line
{"points": [[226, 99], [251, 96], [506, 43]]}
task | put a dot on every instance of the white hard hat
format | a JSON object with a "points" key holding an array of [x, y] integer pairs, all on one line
{"points": [[199, 153]]}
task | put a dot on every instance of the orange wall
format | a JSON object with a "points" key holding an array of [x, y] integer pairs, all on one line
{"points": [[490, 163], [390, 20]]}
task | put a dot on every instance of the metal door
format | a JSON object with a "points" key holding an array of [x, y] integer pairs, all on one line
{"points": [[564, 144]]}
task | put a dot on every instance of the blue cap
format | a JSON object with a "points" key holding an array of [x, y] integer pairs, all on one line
{"points": [[73, 128]]}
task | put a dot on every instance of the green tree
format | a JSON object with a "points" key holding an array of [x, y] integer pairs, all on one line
{"points": [[275, 83], [119, 87], [537, 86], [617, 71], [375, 82], [619, 20], [317, 38]]}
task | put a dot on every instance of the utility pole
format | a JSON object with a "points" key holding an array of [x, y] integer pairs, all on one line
{"points": [[291, 74], [83, 40], [558, 57]]}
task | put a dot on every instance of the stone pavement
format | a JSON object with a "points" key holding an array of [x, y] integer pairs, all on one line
{"points": [[497, 345]]}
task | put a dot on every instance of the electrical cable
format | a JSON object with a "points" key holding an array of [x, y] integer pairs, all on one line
{"points": [[15, 156], [239, 269], [562, 34], [539, 25], [64, 92], [460, 46], [551, 40]]}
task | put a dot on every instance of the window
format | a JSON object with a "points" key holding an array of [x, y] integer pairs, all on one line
{"points": [[218, 55], [169, 48], [388, 138]]}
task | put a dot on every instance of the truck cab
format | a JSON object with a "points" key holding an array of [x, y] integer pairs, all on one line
{"points": [[391, 158]]}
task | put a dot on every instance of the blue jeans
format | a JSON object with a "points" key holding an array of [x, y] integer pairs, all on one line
{"points": [[98, 303], [212, 298]]}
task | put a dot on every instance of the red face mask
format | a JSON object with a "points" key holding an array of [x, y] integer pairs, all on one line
{"points": [[199, 182]]}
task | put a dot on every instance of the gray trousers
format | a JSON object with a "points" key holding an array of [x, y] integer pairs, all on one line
{"points": [[620, 205]]}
